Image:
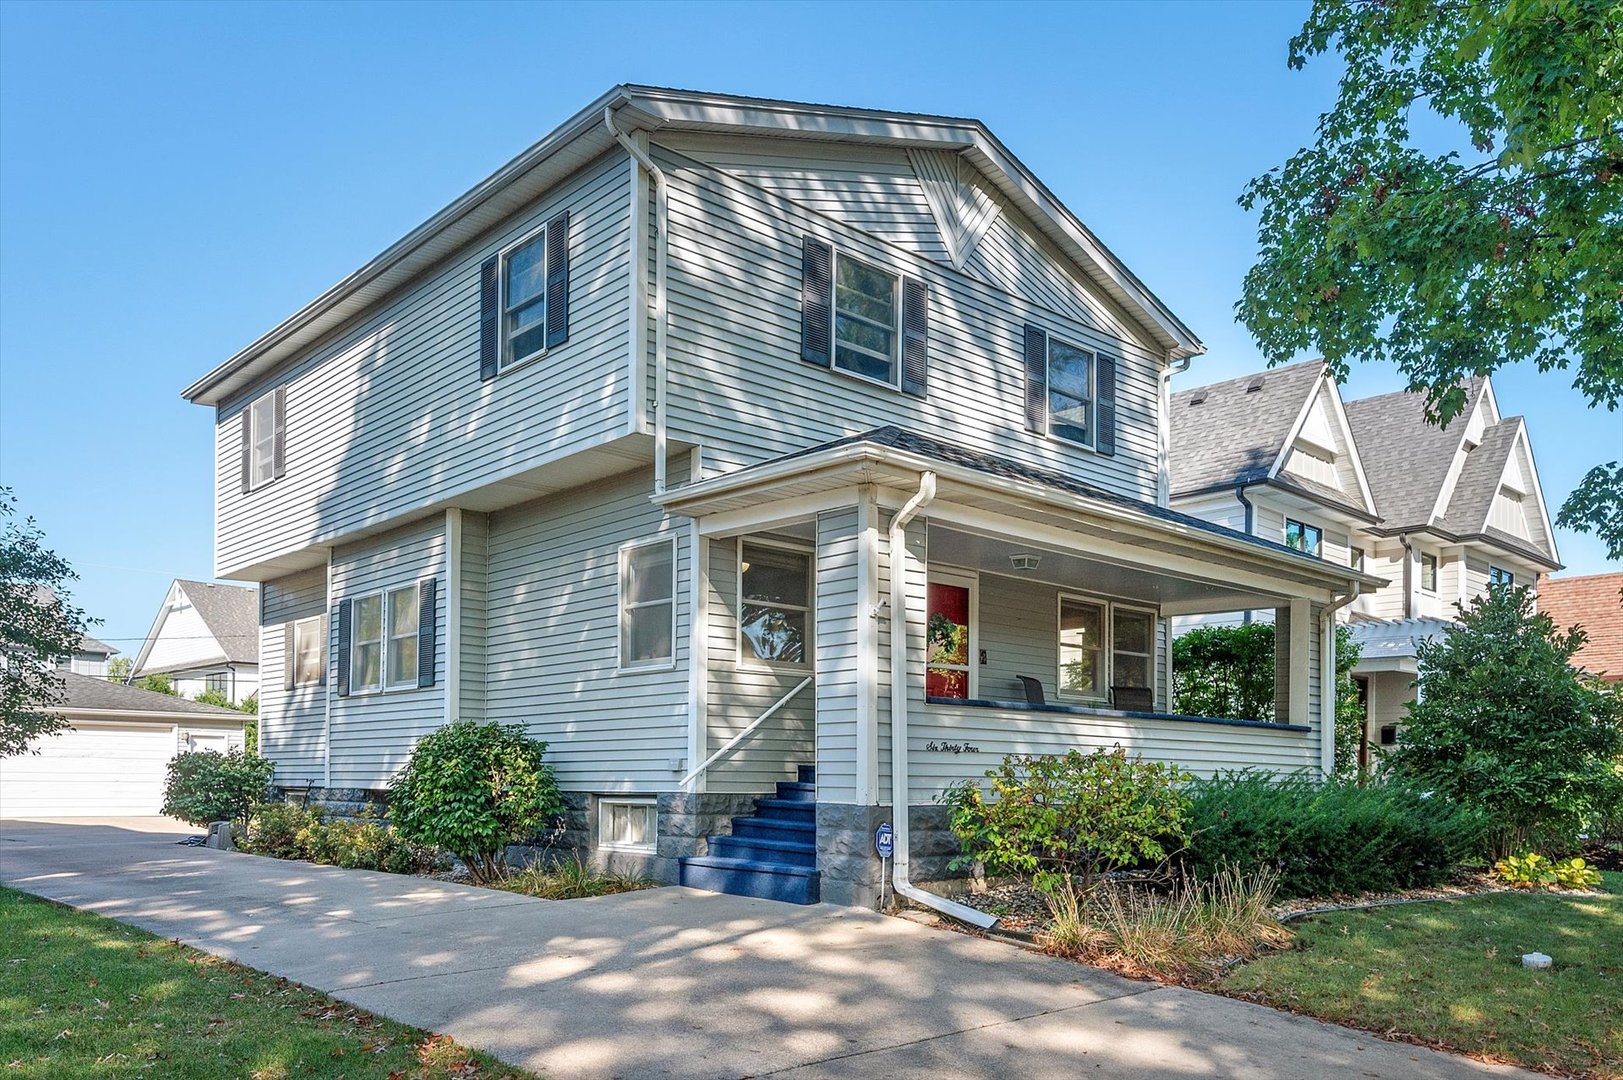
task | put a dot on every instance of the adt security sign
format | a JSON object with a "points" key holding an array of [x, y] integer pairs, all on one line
{"points": [[884, 841]]}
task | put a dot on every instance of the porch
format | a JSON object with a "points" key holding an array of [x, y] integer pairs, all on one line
{"points": [[1033, 615]]}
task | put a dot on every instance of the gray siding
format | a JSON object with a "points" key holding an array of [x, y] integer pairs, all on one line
{"points": [[553, 638], [292, 723], [838, 672], [391, 416], [739, 387], [475, 578], [373, 733]]}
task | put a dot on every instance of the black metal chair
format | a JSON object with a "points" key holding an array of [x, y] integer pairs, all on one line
{"points": [[1034, 690], [1133, 698]]}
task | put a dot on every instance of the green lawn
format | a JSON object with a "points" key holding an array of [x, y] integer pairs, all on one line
{"points": [[1449, 974], [84, 996]]}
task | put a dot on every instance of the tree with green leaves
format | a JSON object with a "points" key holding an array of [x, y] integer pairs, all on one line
{"points": [[38, 627], [1502, 722], [1454, 255]]}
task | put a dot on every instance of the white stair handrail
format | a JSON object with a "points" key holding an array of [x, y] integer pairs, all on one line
{"points": [[733, 742]]}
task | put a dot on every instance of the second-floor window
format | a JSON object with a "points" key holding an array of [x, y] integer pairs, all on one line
{"points": [[264, 440], [866, 310], [1308, 539], [1499, 577], [1355, 558], [1070, 392], [1428, 572], [524, 301]]}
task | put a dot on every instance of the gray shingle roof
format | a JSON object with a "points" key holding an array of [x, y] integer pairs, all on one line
{"points": [[1405, 458], [85, 692], [1234, 436], [231, 612], [1479, 478]]}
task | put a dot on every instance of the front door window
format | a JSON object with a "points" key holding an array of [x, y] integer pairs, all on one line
{"points": [[947, 641]]}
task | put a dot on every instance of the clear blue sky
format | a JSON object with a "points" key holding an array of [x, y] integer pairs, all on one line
{"points": [[174, 180]]}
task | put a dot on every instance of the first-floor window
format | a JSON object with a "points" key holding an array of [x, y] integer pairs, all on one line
{"points": [[309, 657], [366, 662], [947, 669], [775, 601], [1498, 576], [1308, 539], [383, 644], [401, 664], [647, 603], [627, 824], [1132, 648], [1081, 647], [1428, 572]]}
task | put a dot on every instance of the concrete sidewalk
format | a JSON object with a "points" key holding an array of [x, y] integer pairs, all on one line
{"points": [[678, 983]]}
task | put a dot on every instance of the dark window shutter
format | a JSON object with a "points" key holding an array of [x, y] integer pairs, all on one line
{"points": [[558, 280], [489, 309], [1036, 380], [343, 648], [816, 302], [247, 448], [426, 632], [279, 451], [1104, 439], [288, 659], [915, 337]]}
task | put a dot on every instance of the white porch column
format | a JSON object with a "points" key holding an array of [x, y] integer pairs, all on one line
{"points": [[1327, 693], [867, 703], [1301, 637], [698, 651]]}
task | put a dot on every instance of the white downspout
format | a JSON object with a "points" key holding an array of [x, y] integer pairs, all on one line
{"points": [[661, 242], [898, 716], [1327, 679], [1163, 474]]}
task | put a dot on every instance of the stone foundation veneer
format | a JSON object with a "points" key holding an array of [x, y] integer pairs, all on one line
{"points": [[344, 802], [852, 872]]}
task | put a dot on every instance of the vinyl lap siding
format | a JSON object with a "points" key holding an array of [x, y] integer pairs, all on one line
{"points": [[838, 674], [373, 733], [475, 578], [738, 385], [553, 637], [292, 723], [392, 416]]}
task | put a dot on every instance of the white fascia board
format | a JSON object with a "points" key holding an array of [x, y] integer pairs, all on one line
{"points": [[146, 716], [139, 668]]}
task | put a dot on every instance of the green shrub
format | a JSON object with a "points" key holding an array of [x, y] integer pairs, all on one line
{"points": [[204, 787], [278, 830], [1060, 821], [473, 789], [1327, 836], [1534, 871], [365, 842]]}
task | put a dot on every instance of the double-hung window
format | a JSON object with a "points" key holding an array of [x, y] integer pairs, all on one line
{"points": [[648, 603], [1499, 577], [524, 301], [366, 663], [309, 657], [1428, 572], [867, 309], [1355, 558], [383, 648], [262, 423], [1132, 648], [1070, 392], [401, 664], [1308, 539], [1081, 647], [774, 605]]}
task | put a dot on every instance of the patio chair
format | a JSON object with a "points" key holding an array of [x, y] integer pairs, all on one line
{"points": [[1033, 689], [1133, 698]]}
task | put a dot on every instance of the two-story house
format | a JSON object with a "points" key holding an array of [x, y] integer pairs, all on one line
{"points": [[1441, 513], [206, 639], [775, 463]]}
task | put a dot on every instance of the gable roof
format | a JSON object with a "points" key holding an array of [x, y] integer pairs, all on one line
{"points": [[1406, 458], [84, 693], [1595, 602], [585, 136], [229, 612], [1233, 432]]}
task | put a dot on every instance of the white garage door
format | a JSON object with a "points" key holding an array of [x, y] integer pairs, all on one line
{"points": [[88, 772]]}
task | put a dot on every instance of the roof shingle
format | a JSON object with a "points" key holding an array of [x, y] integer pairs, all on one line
{"points": [[1225, 433], [1595, 602]]}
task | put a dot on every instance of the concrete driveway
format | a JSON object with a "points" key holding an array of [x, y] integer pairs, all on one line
{"points": [[679, 983]]}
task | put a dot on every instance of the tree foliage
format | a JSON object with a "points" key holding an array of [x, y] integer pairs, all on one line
{"points": [[1225, 671], [1503, 723], [1379, 242], [38, 626]]}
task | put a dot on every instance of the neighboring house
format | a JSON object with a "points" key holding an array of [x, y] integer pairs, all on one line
{"points": [[111, 760], [206, 637], [91, 657], [1440, 513], [829, 460], [1594, 602]]}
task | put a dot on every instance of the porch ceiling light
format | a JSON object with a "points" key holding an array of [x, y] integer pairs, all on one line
{"points": [[1025, 560]]}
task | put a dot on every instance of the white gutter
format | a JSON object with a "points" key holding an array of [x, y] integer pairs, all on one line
{"points": [[1327, 679], [662, 242], [900, 811]]}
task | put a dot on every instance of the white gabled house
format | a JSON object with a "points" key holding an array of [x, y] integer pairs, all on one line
{"points": [[766, 459], [205, 637]]}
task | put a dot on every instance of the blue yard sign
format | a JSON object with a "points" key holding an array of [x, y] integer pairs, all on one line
{"points": [[884, 841]]}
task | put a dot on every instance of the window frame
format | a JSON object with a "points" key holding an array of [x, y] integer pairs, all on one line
{"points": [[1093, 392], [755, 663], [1109, 606], [258, 440], [414, 605], [320, 622], [1356, 557], [1498, 576], [961, 579], [606, 802], [1306, 527], [1154, 655], [505, 361], [623, 610], [1106, 633], [895, 359], [1436, 572], [385, 684]]}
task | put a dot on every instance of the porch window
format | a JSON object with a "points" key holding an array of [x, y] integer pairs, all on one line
{"points": [[865, 319], [524, 300], [1070, 392], [1081, 648], [648, 603], [1308, 539], [948, 639], [774, 600], [1132, 648], [627, 824]]}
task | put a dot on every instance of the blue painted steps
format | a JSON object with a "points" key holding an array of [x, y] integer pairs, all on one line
{"points": [[771, 854]]}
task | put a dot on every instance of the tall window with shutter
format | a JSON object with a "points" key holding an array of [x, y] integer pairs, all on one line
{"points": [[1070, 391], [863, 319], [264, 440], [524, 299]]}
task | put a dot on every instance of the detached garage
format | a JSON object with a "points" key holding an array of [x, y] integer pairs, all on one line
{"points": [[111, 761]]}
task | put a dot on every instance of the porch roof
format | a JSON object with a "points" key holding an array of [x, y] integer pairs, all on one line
{"points": [[893, 458]]}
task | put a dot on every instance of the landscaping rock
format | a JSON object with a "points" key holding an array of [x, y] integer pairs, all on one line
{"points": [[1536, 960]]}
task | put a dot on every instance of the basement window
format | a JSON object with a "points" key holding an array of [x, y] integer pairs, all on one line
{"points": [[627, 824]]}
